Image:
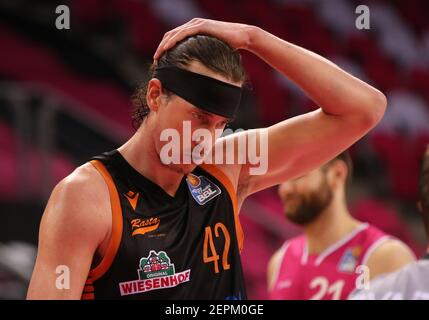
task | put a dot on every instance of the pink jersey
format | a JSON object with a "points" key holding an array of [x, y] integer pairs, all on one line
{"points": [[329, 275]]}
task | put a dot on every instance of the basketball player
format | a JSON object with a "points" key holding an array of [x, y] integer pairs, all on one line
{"points": [[127, 225], [412, 281], [324, 262]]}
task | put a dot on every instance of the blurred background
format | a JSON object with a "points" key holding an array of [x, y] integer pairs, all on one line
{"points": [[65, 96]]}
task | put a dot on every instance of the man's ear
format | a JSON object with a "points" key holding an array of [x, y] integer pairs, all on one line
{"points": [[153, 95], [338, 171]]}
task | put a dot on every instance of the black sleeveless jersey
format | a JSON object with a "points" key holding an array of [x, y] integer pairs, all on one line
{"points": [[163, 247]]}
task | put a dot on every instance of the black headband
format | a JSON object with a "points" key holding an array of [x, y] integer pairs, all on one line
{"points": [[204, 92]]}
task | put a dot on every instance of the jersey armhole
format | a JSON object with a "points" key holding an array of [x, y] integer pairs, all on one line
{"points": [[116, 235], [226, 182], [374, 246], [278, 267]]}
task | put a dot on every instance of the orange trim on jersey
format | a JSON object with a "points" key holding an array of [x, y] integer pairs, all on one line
{"points": [[88, 288], [115, 238], [221, 176], [88, 296]]}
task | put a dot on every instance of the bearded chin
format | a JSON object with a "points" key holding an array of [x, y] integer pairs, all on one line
{"points": [[311, 207], [304, 215]]}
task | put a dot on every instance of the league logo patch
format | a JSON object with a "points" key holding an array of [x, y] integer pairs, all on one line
{"points": [[202, 189], [349, 260], [156, 272]]}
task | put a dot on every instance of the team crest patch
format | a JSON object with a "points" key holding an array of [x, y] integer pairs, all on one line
{"points": [[156, 271], [141, 226], [155, 265], [202, 189], [349, 260]]}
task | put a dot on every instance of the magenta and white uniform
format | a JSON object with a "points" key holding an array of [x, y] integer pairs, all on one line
{"points": [[329, 275]]}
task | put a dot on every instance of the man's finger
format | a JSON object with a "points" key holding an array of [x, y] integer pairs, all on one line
{"points": [[172, 33], [161, 45], [180, 35]]}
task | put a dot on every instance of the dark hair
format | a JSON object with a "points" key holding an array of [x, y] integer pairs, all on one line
{"points": [[423, 189], [347, 159], [213, 53]]}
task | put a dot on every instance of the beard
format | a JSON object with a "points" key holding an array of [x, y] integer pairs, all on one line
{"points": [[309, 206]]}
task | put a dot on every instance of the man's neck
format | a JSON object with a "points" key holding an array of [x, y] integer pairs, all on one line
{"points": [[333, 224], [140, 153]]}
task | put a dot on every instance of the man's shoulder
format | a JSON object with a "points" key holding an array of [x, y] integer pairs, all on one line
{"points": [[294, 244], [83, 173], [78, 210], [82, 191]]}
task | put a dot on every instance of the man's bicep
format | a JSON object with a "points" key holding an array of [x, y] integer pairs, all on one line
{"points": [[301, 144], [56, 277], [67, 243]]}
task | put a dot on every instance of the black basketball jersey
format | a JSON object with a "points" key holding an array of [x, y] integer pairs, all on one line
{"points": [[163, 247]]}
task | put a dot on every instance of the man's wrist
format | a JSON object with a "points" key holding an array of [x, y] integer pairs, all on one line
{"points": [[253, 34]]}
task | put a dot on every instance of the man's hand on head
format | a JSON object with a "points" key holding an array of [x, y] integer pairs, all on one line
{"points": [[237, 35]]}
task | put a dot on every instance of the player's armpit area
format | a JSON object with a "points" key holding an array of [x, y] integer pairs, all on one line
{"points": [[74, 223], [273, 268], [388, 257]]}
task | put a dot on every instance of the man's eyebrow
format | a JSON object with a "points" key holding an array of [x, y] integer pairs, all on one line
{"points": [[206, 113], [211, 115]]}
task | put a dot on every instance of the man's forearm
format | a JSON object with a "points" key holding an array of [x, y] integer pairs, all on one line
{"points": [[333, 89]]}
